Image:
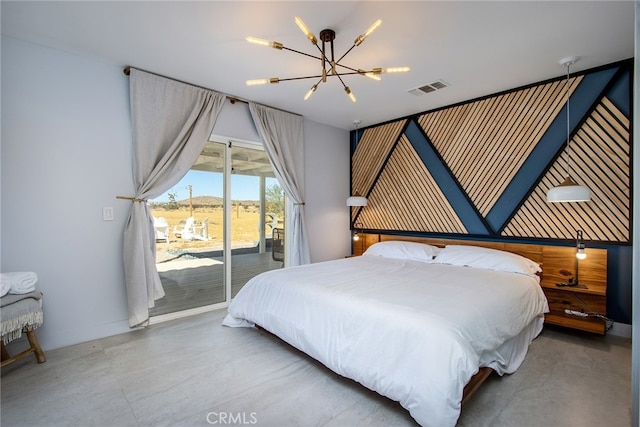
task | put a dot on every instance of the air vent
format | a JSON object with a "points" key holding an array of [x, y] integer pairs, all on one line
{"points": [[432, 87]]}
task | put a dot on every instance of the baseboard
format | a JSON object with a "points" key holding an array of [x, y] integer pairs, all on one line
{"points": [[186, 313], [620, 330]]}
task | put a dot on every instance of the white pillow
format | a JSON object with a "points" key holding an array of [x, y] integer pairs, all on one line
{"points": [[492, 259], [403, 250]]}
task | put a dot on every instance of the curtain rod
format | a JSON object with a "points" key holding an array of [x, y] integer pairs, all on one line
{"points": [[232, 99]]}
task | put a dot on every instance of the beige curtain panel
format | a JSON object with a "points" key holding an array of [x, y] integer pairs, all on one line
{"points": [[171, 122], [283, 138]]}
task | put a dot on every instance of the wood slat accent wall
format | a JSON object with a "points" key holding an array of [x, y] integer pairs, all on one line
{"points": [[369, 156], [600, 154], [427, 210], [494, 159], [485, 157]]}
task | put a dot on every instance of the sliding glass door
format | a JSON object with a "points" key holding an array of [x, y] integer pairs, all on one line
{"points": [[189, 224], [257, 209], [214, 229]]}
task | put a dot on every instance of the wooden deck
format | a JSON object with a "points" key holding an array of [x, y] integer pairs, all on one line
{"points": [[188, 288]]}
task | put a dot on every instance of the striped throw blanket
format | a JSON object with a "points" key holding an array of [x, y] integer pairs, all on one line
{"points": [[19, 312]]}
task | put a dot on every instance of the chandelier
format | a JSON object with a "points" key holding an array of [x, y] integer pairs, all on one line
{"points": [[329, 67]]}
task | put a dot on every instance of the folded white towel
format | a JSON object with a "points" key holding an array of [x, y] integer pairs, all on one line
{"points": [[19, 282]]}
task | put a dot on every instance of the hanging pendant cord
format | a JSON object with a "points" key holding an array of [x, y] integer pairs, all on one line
{"points": [[568, 127]]}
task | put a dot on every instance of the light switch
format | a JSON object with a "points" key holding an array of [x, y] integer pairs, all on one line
{"points": [[107, 213]]}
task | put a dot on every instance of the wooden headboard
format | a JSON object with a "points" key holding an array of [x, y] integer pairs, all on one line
{"points": [[557, 262]]}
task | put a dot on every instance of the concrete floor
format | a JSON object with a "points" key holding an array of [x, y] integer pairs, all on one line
{"points": [[195, 372]]}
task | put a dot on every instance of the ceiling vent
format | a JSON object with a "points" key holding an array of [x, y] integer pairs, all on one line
{"points": [[432, 87]]}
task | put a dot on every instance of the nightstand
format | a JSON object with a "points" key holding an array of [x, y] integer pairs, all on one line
{"points": [[558, 267]]}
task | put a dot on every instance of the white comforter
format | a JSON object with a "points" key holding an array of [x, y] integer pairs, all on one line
{"points": [[411, 331]]}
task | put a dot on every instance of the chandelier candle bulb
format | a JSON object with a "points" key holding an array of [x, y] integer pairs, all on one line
{"points": [[351, 95], [255, 40], [263, 42], [396, 70], [313, 89], [257, 82], [262, 81], [367, 33], [371, 74], [303, 27]]}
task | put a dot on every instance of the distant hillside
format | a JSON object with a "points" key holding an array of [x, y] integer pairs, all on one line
{"points": [[202, 201], [207, 201]]}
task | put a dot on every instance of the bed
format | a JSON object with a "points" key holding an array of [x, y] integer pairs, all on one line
{"points": [[411, 321]]}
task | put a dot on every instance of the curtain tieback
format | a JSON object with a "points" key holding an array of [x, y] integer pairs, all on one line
{"points": [[133, 199], [299, 204]]}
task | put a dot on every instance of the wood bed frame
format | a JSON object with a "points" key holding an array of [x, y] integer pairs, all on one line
{"points": [[533, 252], [557, 264]]}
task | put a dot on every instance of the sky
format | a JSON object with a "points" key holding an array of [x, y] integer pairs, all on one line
{"points": [[243, 187]]}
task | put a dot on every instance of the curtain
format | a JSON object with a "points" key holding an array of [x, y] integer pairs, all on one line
{"points": [[171, 122], [282, 134]]}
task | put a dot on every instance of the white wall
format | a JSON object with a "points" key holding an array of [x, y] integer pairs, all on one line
{"points": [[66, 153], [327, 163]]}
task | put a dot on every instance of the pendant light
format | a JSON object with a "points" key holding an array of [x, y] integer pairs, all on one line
{"points": [[569, 190], [356, 199]]}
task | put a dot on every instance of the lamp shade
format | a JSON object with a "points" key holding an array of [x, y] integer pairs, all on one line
{"points": [[357, 201], [569, 191]]}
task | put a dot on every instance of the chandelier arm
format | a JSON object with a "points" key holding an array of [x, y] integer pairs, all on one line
{"points": [[307, 54], [301, 78], [349, 68], [340, 78], [302, 53], [350, 73], [345, 54], [322, 53], [318, 77]]}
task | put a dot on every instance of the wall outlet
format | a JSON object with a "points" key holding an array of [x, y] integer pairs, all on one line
{"points": [[107, 213]]}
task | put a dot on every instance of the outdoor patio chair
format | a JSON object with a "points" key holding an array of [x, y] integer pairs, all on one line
{"points": [[190, 231], [184, 231], [161, 227], [277, 247], [201, 232], [271, 221]]}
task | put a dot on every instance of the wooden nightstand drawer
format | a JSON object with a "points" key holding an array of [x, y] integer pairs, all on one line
{"points": [[566, 299]]}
